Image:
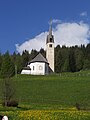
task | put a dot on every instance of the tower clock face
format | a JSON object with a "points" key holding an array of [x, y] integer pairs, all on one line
{"points": [[40, 67]]}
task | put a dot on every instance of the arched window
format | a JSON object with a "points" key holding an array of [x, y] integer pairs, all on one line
{"points": [[50, 39]]}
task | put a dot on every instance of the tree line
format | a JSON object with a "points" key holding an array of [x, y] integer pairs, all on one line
{"points": [[67, 59], [72, 59]]}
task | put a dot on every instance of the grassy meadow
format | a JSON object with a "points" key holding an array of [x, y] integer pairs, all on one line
{"points": [[51, 97]]}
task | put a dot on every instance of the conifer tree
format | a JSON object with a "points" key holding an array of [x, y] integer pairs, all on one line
{"points": [[72, 62], [58, 62], [7, 71], [25, 58], [7, 68], [79, 58], [0, 61]]}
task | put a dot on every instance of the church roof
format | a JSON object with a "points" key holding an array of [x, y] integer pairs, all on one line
{"points": [[39, 58]]}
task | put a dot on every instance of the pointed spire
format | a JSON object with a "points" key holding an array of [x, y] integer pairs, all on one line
{"points": [[50, 37], [50, 27]]}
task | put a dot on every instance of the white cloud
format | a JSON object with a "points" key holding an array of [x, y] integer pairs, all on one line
{"points": [[71, 34], [84, 14], [56, 21], [68, 34], [35, 43]]}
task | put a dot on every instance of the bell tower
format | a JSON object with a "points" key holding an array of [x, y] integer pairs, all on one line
{"points": [[50, 48]]}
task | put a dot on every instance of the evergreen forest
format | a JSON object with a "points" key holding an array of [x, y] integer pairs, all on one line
{"points": [[67, 59]]}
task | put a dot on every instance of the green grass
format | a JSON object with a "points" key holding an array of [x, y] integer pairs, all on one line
{"points": [[59, 91], [50, 97], [62, 90]]}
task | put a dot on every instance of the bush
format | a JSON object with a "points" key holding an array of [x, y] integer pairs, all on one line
{"points": [[78, 106], [11, 103]]}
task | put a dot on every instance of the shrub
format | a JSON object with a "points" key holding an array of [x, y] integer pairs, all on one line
{"points": [[11, 103], [78, 106]]}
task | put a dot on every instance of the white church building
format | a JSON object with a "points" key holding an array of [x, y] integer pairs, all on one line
{"points": [[40, 65]]}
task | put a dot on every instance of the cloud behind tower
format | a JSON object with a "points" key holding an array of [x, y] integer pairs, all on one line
{"points": [[65, 33]]}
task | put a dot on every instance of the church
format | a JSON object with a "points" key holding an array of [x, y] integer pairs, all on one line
{"points": [[40, 65]]}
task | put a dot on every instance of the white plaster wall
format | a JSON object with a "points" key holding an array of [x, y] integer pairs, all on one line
{"points": [[39, 68], [50, 55], [25, 72]]}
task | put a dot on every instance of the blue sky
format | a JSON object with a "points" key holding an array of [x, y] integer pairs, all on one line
{"points": [[23, 20]]}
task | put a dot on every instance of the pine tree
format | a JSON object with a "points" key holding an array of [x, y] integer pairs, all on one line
{"points": [[25, 58], [42, 51], [72, 60], [0, 61], [7, 68], [19, 63], [7, 71], [86, 65], [58, 62], [79, 58], [66, 67]]}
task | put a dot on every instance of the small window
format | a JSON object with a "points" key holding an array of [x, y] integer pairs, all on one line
{"points": [[50, 39], [33, 67], [50, 45], [40, 67]]}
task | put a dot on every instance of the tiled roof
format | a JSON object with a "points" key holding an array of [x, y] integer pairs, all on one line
{"points": [[39, 58]]}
